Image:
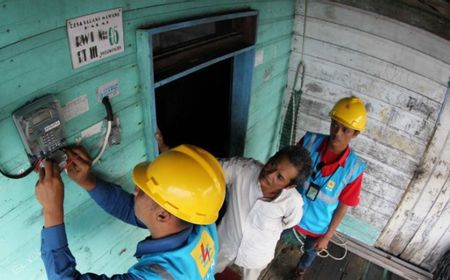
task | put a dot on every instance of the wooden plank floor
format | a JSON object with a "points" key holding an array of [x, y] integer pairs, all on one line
{"points": [[283, 266], [352, 267]]}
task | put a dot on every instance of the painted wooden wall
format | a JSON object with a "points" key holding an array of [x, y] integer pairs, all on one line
{"points": [[35, 60], [419, 230], [401, 73]]}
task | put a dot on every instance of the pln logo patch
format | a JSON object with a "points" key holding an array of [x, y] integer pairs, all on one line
{"points": [[331, 184], [203, 253]]}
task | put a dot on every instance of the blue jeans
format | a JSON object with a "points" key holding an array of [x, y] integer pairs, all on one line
{"points": [[309, 253]]}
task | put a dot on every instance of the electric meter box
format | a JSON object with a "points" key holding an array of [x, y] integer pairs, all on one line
{"points": [[41, 128]]}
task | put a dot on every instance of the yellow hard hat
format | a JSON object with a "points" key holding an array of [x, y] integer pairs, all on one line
{"points": [[350, 111], [187, 181]]}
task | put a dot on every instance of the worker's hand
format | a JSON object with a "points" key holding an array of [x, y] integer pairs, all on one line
{"points": [[322, 243], [50, 194], [79, 167]]}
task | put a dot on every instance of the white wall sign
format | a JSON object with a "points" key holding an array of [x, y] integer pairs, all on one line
{"points": [[110, 89], [76, 107], [95, 36]]}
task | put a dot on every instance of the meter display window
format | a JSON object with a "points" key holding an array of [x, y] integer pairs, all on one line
{"points": [[40, 127], [41, 116]]}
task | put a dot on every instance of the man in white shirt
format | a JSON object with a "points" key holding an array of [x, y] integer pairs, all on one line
{"points": [[262, 203]]}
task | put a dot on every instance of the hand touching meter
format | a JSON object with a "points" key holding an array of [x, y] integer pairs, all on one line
{"points": [[41, 129]]}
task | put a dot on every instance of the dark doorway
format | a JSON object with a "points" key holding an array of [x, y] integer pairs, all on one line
{"points": [[195, 109], [197, 78]]}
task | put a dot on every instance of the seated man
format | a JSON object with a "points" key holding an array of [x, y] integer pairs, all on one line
{"points": [[169, 201], [262, 203]]}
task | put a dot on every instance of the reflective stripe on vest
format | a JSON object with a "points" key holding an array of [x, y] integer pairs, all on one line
{"points": [[352, 171], [311, 142], [317, 214], [161, 271], [326, 198]]}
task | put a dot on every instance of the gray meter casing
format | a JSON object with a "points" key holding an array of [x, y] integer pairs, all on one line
{"points": [[41, 128]]}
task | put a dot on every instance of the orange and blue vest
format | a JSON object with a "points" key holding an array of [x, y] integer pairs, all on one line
{"points": [[318, 213]]}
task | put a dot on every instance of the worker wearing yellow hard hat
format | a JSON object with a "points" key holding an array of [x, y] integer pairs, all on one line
{"points": [[335, 183], [350, 112], [176, 180], [177, 197]]}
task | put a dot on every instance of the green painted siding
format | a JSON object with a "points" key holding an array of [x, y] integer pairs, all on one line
{"points": [[35, 60]]}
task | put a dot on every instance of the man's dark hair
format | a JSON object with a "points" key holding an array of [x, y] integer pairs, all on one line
{"points": [[300, 158]]}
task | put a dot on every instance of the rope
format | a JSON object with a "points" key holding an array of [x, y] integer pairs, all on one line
{"points": [[289, 129], [295, 93], [324, 253], [304, 33], [296, 104]]}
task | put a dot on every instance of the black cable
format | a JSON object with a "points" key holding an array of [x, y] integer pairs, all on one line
{"points": [[18, 176], [109, 117], [109, 113]]}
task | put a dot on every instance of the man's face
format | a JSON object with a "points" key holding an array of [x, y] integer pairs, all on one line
{"points": [[340, 135], [277, 175], [144, 207]]}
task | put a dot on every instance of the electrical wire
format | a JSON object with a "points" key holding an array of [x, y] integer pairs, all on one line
{"points": [[109, 118], [20, 175], [324, 252], [105, 143]]}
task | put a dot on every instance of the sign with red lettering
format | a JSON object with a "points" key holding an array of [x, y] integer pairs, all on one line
{"points": [[95, 36]]}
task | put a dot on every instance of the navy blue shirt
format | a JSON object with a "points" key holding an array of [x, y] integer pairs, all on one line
{"points": [[59, 261]]}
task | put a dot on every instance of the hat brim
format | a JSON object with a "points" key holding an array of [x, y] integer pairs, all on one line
{"points": [[140, 174]]}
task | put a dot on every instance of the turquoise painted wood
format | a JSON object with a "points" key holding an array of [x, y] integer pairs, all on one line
{"points": [[35, 60], [240, 99], [242, 61], [358, 229]]}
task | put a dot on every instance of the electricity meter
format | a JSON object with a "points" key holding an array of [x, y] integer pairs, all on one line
{"points": [[41, 128]]}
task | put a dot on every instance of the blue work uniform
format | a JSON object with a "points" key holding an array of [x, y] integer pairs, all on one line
{"points": [[318, 213], [189, 254], [321, 193]]}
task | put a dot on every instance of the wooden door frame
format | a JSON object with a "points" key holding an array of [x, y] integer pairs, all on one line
{"points": [[243, 61]]}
